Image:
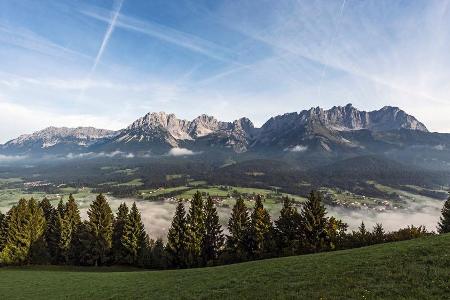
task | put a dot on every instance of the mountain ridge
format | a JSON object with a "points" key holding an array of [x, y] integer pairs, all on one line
{"points": [[313, 129]]}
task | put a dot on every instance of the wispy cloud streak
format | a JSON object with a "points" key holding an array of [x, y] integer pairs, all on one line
{"points": [[108, 33], [169, 35], [107, 36], [28, 40]]}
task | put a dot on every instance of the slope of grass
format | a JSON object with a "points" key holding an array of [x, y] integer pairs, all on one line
{"points": [[418, 269]]}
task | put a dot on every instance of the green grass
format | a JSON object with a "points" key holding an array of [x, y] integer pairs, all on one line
{"points": [[10, 180], [212, 191], [197, 183], [174, 176], [162, 191], [134, 182], [417, 269]]}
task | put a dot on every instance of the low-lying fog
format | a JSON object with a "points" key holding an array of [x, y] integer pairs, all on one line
{"points": [[157, 215]]}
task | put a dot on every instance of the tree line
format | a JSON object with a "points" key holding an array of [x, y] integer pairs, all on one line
{"points": [[35, 232]]}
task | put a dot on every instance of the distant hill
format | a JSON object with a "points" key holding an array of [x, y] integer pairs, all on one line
{"points": [[416, 269]]}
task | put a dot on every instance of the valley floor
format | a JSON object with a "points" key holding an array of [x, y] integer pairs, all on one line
{"points": [[417, 269]]}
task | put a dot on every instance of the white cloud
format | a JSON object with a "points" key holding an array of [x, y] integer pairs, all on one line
{"points": [[17, 119], [89, 155], [181, 152], [439, 147], [9, 158], [297, 148]]}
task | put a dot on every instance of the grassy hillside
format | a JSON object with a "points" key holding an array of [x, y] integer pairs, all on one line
{"points": [[418, 269]]}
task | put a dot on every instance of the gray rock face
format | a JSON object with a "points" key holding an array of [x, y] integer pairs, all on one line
{"points": [[321, 129], [348, 118], [166, 130], [311, 129], [52, 137]]}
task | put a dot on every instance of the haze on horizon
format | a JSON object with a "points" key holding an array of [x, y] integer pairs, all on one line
{"points": [[105, 63]]}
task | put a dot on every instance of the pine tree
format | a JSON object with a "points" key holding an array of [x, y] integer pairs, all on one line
{"points": [[17, 240], [2, 231], [237, 227], [72, 213], [176, 238], [288, 227], [444, 222], [118, 249], [61, 207], [100, 227], [47, 208], [83, 244], [25, 224], [378, 234], [259, 231], [336, 230], [195, 230], [214, 239], [38, 248], [70, 222], [363, 235], [158, 255], [133, 237], [54, 228], [314, 224]]}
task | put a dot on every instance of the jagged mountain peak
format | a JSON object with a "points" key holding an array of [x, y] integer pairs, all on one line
{"points": [[344, 118], [308, 129], [51, 137], [204, 125]]}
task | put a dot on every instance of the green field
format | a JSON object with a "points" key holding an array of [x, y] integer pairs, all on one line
{"points": [[417, 269], [134, 182]]}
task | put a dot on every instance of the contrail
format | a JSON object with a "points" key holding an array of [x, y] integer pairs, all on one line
{"points": [[109, 31]]}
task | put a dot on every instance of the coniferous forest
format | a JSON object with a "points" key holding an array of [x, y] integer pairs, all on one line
{"points": [[35, 232]]}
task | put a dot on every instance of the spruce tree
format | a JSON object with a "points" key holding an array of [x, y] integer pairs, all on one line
{"points": [[83, 244], [54, 228], [176, 238], [336, 230], [3, 231], [118, 249], [260, 230], [70, 222], [314, 224], [47, 208], [25, 225], [444, 222], [237, 227], [100, 227], [195, 230], [38, 248], [378, 234], [288, 227], [72, 213], [133, 236], [61, 207], [158, 255], [363, 235], [17, 241], [214, 239]]}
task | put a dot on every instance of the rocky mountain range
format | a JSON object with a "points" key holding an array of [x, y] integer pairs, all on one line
{"points": [[336, 131]]}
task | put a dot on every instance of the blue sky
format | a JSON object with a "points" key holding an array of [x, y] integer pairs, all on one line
{"points": [[106, 63]]}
